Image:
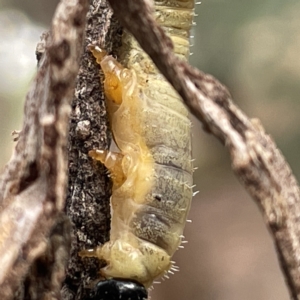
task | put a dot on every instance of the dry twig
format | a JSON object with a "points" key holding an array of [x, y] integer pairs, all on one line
{"points": [[256, 160], [89, 188], [33, 184]]}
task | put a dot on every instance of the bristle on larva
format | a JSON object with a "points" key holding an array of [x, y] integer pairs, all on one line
{"points": [[152, 173]]}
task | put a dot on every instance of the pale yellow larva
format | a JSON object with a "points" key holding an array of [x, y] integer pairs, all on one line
{"points": [[152, 174]]}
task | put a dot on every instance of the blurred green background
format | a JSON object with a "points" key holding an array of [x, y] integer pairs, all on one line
{"points": [[251, 46]]}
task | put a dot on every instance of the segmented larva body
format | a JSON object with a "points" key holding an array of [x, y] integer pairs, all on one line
{"points": [[152, 174]]}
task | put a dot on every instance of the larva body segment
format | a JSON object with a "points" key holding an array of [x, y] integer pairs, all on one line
{"points": [[152, 175]]}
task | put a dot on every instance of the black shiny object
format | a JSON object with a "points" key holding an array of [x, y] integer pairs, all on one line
{"points": [[118, 289]]}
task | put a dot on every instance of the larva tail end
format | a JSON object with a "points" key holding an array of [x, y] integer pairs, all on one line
{"points": [[98, 53]]}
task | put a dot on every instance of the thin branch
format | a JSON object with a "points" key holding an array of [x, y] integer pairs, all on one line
{"points": [[89, 188], [33, 184], [256, 160]]}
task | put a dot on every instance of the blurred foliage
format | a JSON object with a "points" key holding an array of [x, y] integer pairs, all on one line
{"points": [[39, 11], [19, 36], [253, 47]]}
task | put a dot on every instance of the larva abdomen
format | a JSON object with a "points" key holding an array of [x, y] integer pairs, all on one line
{"points": [[152, 175]]}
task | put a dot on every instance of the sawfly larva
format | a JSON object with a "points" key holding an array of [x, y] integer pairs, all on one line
{"points": [[152, 173]]}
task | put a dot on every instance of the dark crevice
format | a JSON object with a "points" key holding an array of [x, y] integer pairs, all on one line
{"points": [[31, 175]]}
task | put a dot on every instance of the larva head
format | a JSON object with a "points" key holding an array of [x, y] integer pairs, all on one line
{"points": [[118, 289]]}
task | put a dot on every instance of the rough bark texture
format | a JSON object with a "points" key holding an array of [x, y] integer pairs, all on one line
{"points": [[89, 188], [34, 233], [256, 160]]}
